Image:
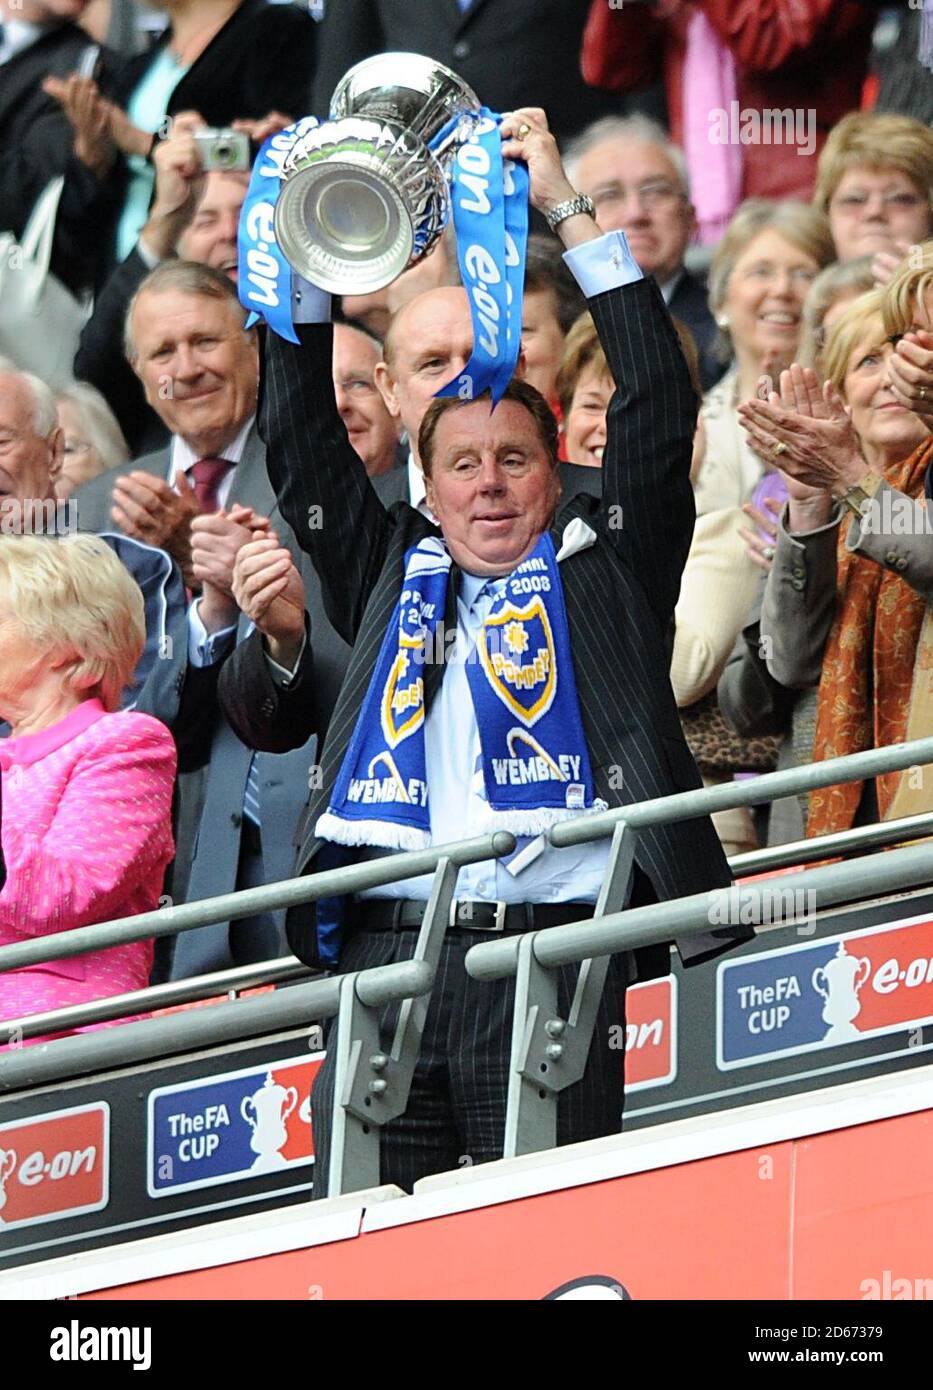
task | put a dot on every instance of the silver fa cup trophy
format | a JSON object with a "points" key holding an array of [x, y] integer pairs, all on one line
{"points": [[364, 195]]}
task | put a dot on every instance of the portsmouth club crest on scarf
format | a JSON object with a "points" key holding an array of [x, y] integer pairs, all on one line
{"points": [[534, 766]]}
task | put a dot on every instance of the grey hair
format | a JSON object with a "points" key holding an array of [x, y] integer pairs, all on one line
{"points": [[98, 422], [841, 278], [187, 277], [636, 127], [44, 411]]}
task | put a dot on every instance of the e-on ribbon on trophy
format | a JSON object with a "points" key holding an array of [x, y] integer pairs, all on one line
{"points": [[490, 208], [265, 277]]}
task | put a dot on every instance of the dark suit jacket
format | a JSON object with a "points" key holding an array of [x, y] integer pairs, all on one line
{"points": [[262, 59], [36, 142], [511, 52], [277, 718], [619, 593], [101, 361], [690, 304]]}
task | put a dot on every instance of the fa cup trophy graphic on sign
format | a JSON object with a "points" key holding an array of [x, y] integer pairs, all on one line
{"points": [[842, 978], [266, 1111]]}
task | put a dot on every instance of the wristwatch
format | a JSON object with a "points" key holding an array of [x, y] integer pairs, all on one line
{"points": [[569, 208], [858, 497]]}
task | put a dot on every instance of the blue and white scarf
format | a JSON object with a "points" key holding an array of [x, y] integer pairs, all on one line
{"points": [[534, 763]]}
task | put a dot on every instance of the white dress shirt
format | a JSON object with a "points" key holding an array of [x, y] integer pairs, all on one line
{"points": [[183, 456]]}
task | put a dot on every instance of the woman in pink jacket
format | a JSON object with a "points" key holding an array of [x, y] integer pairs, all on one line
{"points": [[86, 788]]}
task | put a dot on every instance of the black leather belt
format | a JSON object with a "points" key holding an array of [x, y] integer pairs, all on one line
{"points": [[407, 914]]}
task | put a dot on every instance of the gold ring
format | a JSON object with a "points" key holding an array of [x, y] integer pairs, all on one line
{"points": [[923, 393], [523, 130], [779, 449]]}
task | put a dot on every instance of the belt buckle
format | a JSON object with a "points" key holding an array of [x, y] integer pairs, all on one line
{"points": [[497, 925]]}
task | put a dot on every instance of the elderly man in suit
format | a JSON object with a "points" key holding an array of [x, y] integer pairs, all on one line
{"points": [[430, 340], [638, 181], [554, 698]]}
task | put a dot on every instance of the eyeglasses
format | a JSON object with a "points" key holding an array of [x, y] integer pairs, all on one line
{"points": [[655, 194], [853, 203]]}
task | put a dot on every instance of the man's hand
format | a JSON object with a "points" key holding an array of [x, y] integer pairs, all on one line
{"points": [[910, 374], [216, 540], [269, 589], [89, 116], [179, 184], [146, 508], [525, 137]]}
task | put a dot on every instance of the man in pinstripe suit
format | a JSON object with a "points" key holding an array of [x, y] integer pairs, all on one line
{"points": [[620, 560]]}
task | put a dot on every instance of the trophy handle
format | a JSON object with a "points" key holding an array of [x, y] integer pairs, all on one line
{"points": [[861, 979], [247, 1104], [293, 1094], [824, 993]]}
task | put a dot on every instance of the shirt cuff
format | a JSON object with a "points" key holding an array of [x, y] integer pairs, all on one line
{"points": [[280, 674], [148, 257], [605, 263], [309, 304], [205, 648]]}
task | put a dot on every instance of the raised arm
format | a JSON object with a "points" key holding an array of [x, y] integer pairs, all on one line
{"points": [[319, 479], [647, 500]]}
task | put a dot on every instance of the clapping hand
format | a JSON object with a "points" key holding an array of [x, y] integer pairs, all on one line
{"points": [[269, 590], [806, 433], [910, 373], [89, 115], [146, 508]]}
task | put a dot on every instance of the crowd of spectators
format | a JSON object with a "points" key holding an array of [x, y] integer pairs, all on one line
{"points": [[168, 674]]}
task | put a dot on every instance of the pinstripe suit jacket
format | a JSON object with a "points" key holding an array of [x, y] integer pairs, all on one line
{"points": [[619, 593]]}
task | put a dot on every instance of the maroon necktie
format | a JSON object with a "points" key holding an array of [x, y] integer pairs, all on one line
{"points": [[206, 476]]}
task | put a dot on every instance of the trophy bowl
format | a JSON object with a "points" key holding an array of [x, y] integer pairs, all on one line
{"points": [[364, 195]]}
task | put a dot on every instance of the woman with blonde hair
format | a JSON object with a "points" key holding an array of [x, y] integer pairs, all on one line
{"points": [[849, 601], [875, 184], [86, 787], [761, 273]]}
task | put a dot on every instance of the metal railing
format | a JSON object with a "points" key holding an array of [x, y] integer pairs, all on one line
{"points": [[548, 1052], [371, 1084], [842, 842]]}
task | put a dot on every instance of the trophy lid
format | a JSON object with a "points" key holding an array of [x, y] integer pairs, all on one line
{"points": [[418, 92]]}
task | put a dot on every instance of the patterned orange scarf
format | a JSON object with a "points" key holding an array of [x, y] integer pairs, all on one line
{"points": [[868, 667]]}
